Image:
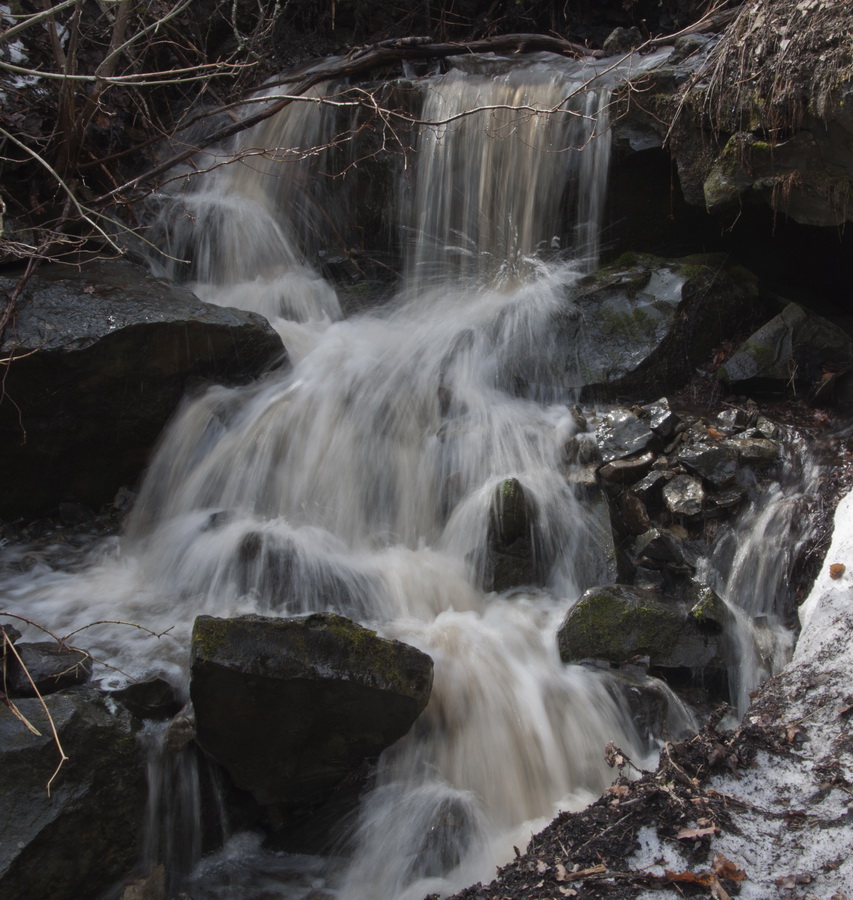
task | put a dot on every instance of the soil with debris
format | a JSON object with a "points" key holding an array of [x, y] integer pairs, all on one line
{"points": [[588, 854]]}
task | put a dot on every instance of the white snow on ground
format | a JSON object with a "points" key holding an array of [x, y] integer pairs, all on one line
{"points": [[795, 823]]}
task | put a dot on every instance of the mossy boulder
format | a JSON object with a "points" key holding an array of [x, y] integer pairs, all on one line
{"points": [[796, 347], [291, 707], [513, 554], [83, 834], [638, 327], [618, 622]]}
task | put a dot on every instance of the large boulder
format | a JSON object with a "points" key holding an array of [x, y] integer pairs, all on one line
{"points": [[795, 348], [291, 707], [100, 358], [619, 622], [511, 559], [73, 836], [638, 326]]}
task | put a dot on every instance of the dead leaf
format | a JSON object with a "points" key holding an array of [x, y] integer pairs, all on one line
{"points": [[578, 874], [788, 882], [718, 891], [541, 867], [725, 868], [689, 833], [568, 892], [619, 790], [89, 289], [836, 570], [703, 878], [792, 732], [613, 756]]}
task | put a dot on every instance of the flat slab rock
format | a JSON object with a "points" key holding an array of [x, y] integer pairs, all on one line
{"points": [[290, 706], [101, 359]]}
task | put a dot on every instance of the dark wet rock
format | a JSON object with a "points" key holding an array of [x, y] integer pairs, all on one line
{"points": [[684, 495], [686, 46], [733, 419], [796, 347], [290, 707], [581, 449], [620, 622], [662, 547], [755, 451], [728, 499], [651, 322], [634, 513], [579, 418], [181, 730], [749, 169], [47, 667], [649, 701], [662, 420], [151, 699], [102, 357], [766, 428], [627, 471], [650, 489], [511, 558], [445, 838], [274, 567], [12, 634], [639, 326], [715, 464], [79, 838], [623, 434], [707, 611], [622, 40]]}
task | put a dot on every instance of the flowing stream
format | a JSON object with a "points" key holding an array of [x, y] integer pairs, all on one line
{"points": [[371, 465]]}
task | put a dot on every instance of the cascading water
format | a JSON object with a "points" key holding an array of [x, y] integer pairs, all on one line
{"points": [[371, 467], [751, 568]]}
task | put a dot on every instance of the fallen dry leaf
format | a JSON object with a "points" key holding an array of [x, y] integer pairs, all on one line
{"points": [[613, 756], [703, 878], [541, 867], [787, 882], [619, 790], [688, 833], [718, 891], [725, 868], [792, 732], [836, 570]]}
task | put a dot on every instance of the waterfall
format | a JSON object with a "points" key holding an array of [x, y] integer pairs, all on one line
{"points": [[752, 568], [362, 480], [477, 211]]}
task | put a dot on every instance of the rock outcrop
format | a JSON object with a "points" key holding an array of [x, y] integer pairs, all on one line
{"points": [[99, 360], [640, 325], [760, 113], [795, 349], [75, 838], [291, 707]]}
